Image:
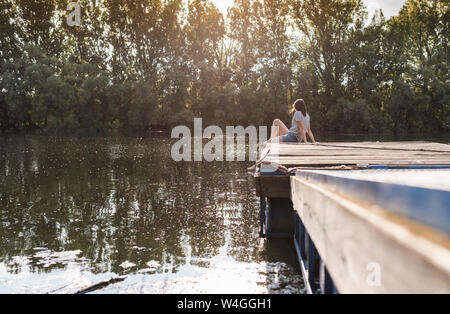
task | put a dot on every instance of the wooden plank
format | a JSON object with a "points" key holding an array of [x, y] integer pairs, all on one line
{"points": [[355, 161], [357, 241], [367, 145], [419, 146], [362, 154], [433, 179], [356, 153], [392, 145], [335, 159], [283, 149], [351, 151], [424, 205], [389, 153]]}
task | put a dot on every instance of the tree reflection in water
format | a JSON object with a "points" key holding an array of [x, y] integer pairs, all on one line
{"points": [[115, 206]]}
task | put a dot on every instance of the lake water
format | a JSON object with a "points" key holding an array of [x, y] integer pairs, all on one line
{"points": [[78, 211]]}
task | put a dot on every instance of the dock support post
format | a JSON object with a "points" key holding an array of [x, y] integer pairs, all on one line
{"points": [[316, 276], [262, 217], [313, 261], [299, 236], [326, 283]]}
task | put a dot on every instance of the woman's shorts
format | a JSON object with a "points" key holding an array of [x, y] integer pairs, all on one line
{"points": [[289, 138]]}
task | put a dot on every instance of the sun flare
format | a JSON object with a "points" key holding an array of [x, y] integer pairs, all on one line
{"points": [[223, 5]]}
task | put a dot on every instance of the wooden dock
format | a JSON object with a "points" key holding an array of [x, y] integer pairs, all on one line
{"points": [[364, 217], [352, 154]]}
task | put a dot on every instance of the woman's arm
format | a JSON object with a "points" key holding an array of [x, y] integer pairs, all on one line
{"points": [[311, 135], [302, 130]]}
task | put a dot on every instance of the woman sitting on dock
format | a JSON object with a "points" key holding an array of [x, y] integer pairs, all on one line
{"points": [[300, 126]]}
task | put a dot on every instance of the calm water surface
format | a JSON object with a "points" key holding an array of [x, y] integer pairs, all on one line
{"points": [[75, 212]]}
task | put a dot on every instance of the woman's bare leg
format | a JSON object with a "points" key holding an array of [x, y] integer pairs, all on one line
{"points": [[278, 128], [277, 139]]}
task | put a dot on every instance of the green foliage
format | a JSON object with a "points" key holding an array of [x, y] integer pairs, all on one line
{"points": [[138, 65]]}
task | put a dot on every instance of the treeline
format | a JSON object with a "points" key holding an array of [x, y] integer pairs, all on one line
{"points": [[154, 64]]}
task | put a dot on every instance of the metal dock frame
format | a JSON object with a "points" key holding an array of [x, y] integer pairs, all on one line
{"points": [[312, 196], [350, 231]]}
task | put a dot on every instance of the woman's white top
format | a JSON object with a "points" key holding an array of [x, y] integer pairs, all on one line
{"points": [[298, 116]]}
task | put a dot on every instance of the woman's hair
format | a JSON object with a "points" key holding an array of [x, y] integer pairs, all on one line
{"points": [[299, 105]]}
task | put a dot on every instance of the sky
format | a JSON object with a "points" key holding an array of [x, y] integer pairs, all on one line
{"points": [[389, 7]]}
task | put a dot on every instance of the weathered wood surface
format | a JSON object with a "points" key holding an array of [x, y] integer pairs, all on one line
{"points": [[329, 154], [434, 179], [358, 241]]}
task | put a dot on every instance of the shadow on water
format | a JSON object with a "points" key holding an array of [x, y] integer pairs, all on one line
{"points": [[76, 211], [287, 275]]}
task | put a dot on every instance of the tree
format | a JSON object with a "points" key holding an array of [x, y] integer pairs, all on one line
{"points": [[327, 28], [205, 31], [136, 65], [424, 29]]}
